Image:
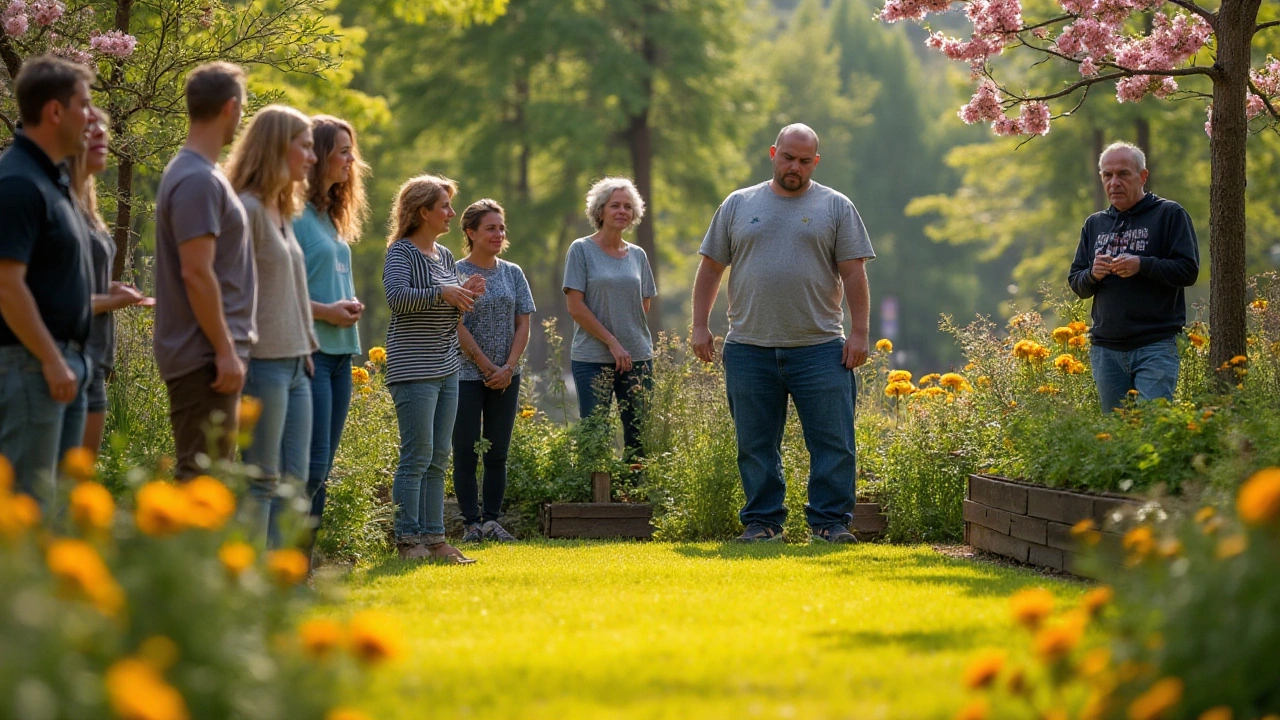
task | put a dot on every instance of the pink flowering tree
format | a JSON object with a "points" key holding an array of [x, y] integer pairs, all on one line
{"points": [[142, 50], [1164, 48]]}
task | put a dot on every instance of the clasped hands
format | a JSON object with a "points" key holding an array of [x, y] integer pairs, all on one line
{"points": [[1124, 265]]}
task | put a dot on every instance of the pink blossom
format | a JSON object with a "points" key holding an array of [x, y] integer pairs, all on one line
{"points": [[113, 43], [14, 18], [1088, 68], [47, 12], [1006, 126], [1253, 106], [1087, 36], [994, 17], [74, 54], [1133, 89], [1166, 87], [206, 17], [1034, 118], [1041, 32], [1267, 80], [984, 106], [1077, 7], [896, 10]]}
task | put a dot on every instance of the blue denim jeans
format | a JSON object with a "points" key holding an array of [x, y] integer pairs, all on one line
{"points": [[35, 430], [281, 445], [425, 410], [330, 401], [631, 388], [758, 381], [1152, 370]]}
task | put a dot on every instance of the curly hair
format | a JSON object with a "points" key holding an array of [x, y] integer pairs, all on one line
{"points": [[344, 202], [423, 191], [603, 189]]}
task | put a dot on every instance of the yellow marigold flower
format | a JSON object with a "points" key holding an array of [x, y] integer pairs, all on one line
{"points": [[954, 382], [977, 709], [983, 381], [6, 476], [320, 637], [1157, 701], [1230, 547], [1103, 436], [898, 389], [1197, 340], [81, 572], [1222, 712], [1086, 531], [1076, 368], [236, 557], [1096, 599], [528, 412], [92, 507], [250, 411], [885, 345], [899, 376], [1095, 662], [1054, 643], [969, 367], [378, 355], [346, 714], [159, 652], [163, 509], [1259, 304], [1238, 360], [1078, 341], [1031, 607], [1259, 500], [1062, 334], [138, 691], [930, 378], [373, 638], [18, 513], [211, 503], [1077, 327], [1193, 427], [288, 566], [1139, 541], [1048, 390], [983, 669], [1063, 361], [1204, 513], [80, 464], [359, 375]]}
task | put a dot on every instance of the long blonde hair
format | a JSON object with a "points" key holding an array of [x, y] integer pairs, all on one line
{"points": [[259, 163], [423, 191], [345, 203], [84, 187]]}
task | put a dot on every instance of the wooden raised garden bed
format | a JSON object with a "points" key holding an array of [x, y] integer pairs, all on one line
{"points": [[1032, 524], [599, 519]]}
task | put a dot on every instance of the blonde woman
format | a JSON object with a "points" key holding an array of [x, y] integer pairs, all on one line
{"points": [[107, 296], [420, 280], [268, 169]]}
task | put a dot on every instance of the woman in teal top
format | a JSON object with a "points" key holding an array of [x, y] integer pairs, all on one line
{"points": [[336, 209]]}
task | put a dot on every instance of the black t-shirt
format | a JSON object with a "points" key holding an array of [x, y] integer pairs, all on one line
{"points": [[41, 228]]}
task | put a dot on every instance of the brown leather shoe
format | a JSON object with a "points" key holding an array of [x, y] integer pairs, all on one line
{"points": [[411, 549], [443, 552]]}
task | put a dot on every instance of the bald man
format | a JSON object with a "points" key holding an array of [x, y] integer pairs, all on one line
{"points": [[797, 250]]}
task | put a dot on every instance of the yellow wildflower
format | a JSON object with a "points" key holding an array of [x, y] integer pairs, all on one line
{"points": [[528, 412], [1086, 531], [1103, 436], [983, 669], [983, 381], [1157, 701], [1078, 341], [236, 557], [211, 504], [373, 638], [1222, 712], [1238, 360], [899, 376], [378, 355], [955, 382], [1063, 361], [977, 709], [1259, 304], [79, 464], [92, 507], [18, 513], [163, 509], [885, 345], [1031, 607], [1077, 327], [969, 367], [1204, 513], [1048, 390], [1062, 334], [1096, 599], [1095, 662], [1197, 340], [250, 411], [1139, 541], [898, 389], [1030, 350], [320, 637], [288, 566], [359, 375], [1230, 547], [81, 572], [138, 691], [1259, 499], [1055, 642], [927, 379]]}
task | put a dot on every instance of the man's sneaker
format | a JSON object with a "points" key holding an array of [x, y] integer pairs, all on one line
{"points": [[473, 534], [493, 531], [834, 534], [756, 532]]}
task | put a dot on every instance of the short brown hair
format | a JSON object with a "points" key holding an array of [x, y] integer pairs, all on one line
{"points": [[44, 78], [210, 86], [474, 214]]}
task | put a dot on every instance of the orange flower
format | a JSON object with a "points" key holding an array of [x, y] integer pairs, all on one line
{"points": [[977, 709], [1095, 662], [6, 476], [1031, 607], [211, 503], [1086, 531], [236, 557], [1259, 500], [885, 345], [378, 355], [1157, 701], [288, 566], [79, 464], [1103, 436], [1197, 340], [1096, 599], [1055, 642], [1222, 712], [81, 572], [1205, 513], [1139, 541], [1230, 547], [983, 669], [92, 507], [899, 376], [1078, 341], [250, 411], [1062, 334], [1259, 304], [346, 714], [1077, 327], [138, 691], [163, 509], [373, 638], [320, 637]]}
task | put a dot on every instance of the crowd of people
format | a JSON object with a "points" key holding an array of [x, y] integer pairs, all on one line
{"points": [[254, 296]]}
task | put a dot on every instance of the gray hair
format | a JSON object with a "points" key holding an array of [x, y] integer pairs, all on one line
{"points": [[1135, 152], [603, 189]]}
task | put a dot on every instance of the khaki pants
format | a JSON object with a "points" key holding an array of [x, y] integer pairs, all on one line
{"points": [[204, 422]]}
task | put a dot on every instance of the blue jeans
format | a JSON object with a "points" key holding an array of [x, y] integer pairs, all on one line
{"points": [[631, 388], [425, 410], [330, 401], [758, 381], [281, 443], [35, 431], [1152, 370]]}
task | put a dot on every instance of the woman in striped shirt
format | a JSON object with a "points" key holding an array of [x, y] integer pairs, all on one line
{"points": [[426, 300]]}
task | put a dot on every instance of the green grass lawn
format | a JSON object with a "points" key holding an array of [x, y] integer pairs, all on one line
{"points": [[563, 630]]}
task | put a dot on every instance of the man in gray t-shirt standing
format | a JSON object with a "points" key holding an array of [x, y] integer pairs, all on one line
{"points": [[797, 249], [206, 282]]}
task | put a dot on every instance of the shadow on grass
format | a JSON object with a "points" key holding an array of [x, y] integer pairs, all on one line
{"points": [[911, 640], [756, 551]]}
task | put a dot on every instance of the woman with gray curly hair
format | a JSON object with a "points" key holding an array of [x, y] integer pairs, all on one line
{"points": [[609, 286]]}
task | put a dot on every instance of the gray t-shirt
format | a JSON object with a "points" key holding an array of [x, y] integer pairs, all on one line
{"points": [[492, 320], [285, 325], [196, 199], [615, 289], [784, 288]]}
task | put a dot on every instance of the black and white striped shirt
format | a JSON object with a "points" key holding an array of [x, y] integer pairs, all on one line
{"points": [[422, 340]]}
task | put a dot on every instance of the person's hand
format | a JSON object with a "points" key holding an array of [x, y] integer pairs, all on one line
{"points": [[855, 351], [1101, 267], [621, 358], [1126, 265], [459, 297], [703, 344], [343, 313], [229, 379], [501, 378], [475, 284], [122, 295], [61, 381]]}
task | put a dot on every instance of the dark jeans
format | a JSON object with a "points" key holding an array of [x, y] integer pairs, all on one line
{"points": [[1152, 370], [330, 401], [632, 389], [490, 414], [758, 381], [204, 422]]}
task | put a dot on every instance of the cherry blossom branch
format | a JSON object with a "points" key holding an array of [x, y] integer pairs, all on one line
{"points": [[1265, 102], [1266, 25], [1209, 17]]}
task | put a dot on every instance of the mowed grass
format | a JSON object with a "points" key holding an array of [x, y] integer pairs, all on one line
{"points": [[564, 630]]}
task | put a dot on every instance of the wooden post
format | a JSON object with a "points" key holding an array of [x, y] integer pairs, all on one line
{"points": [[600, 490]]}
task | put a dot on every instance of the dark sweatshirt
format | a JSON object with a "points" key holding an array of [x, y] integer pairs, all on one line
{"points": [[1129, 313]]}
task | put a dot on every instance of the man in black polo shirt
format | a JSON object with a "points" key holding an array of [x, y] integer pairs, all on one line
{"points": [[45, 275]]}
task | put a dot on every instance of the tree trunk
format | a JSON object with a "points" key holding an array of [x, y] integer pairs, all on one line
{"points": [[640, 142], [1142, 137], [124, 212], [1227, 185], [1099, 192]]}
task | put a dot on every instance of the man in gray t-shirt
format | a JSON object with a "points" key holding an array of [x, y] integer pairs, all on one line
{"points": [[797, 249], [206, 282]]}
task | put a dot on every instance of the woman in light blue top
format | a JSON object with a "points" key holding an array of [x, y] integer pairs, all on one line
{"points": [[333, 217]]}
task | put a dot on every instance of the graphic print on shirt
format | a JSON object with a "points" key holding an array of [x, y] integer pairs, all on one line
{"points": [[1120, 241]]}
